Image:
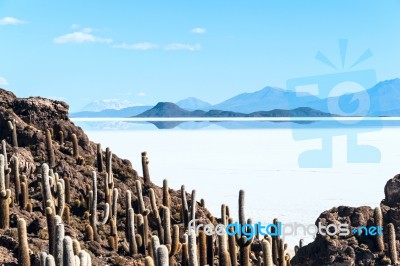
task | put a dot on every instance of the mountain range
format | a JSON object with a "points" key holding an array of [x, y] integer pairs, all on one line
{"points": [[381, 100]]}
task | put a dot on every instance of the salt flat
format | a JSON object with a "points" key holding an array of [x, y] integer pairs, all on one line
{"points": [[264, 162]]}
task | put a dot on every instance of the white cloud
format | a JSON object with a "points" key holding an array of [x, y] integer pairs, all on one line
{"points": [[3, 81], [141, 94], [199, 30], [85, 35], [182, 46], [136, 46], [11, 21]]}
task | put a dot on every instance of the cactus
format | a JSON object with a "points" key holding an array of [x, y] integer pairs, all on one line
{"points": [[17, 181], [392, 243], [13, 128], [242, 241], [162, 256], [193, 205], [232, 243], [6, 169], [93, 208], [202, 248], [23, 248], [192, 248], [145, 169], [166, 196], [50, 228], [143, 231], [75, 147], [148, 261], [50, 260], [84, 258], [156, 214], [131, 232], [128, 205], [281, 253], [109, 165], [50, 150], [42, 257], [89, 234], [68, 252], [58, 247], [46, 189], [61, 137], [114, 203], [24, 195], [76, 245], [155, 243], [100, 166], [267, 253], [67, 215], [379, 223], [5, 199], [60, 197], [185, 208], [67, 189], [167, 225]]}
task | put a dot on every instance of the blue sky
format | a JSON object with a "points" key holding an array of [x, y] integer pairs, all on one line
{"points": [[150, 51]]}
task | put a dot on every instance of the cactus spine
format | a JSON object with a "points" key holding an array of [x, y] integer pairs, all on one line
{"points": [[23, 248]]}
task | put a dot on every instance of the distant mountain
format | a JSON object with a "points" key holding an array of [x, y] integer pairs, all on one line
{"points": [[125, 112], [100, 105], [267, 99], [166, 109], [192, 104]]}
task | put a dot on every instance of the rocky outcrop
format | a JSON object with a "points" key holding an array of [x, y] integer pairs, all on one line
{"points": [[356, 249]]}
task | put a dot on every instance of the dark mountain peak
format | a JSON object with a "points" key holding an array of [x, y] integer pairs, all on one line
{"points": [[165, 109]]}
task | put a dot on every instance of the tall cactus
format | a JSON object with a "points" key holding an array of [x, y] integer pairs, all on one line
{"points": [[5, 199], [267, 253], [100, 165], [46, 189], [379, 223], [7, 171], [68, 254], [242, 241], [17, 180], [75, 147], [13, 128], [131, 232], [23, 248], [93, 208], [392, 244], [162, 256], [59, 246], [185, 208], [145, 169], [166, 196], [192, 248], [50, 150], [156, 214], [167, 225]]}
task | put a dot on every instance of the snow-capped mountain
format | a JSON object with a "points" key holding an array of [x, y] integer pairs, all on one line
{"points": [[100, 105]]}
